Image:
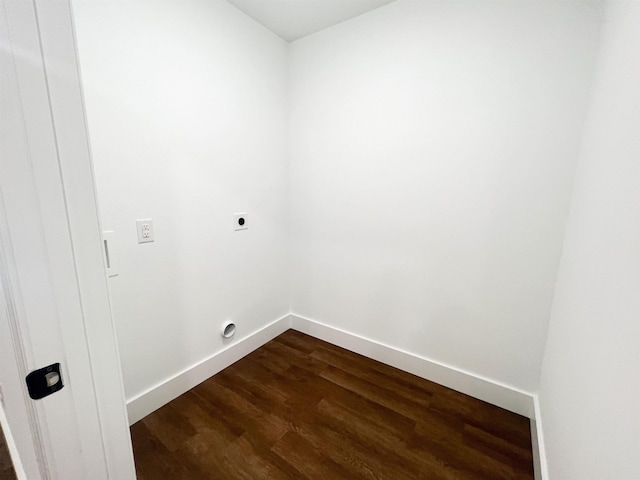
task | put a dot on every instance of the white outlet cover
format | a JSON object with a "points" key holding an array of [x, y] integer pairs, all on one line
{"points": [[240, 221], [145, 230]]}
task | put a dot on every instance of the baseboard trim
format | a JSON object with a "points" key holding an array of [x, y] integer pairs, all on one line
{"points": [[504, 396], [147, 402], [537, 443]]}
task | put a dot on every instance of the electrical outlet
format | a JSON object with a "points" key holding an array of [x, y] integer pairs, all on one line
{"points": [[240, 221], [145, 230]]}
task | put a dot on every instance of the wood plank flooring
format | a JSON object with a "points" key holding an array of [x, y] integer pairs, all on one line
{"points": [[301, 408], [6, 464]]}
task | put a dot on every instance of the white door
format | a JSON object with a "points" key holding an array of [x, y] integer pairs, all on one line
{"points": [[54, 304]]}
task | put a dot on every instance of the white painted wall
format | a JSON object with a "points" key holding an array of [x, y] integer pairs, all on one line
{"points": [[590, 383], [187, 114], [432, 156]]}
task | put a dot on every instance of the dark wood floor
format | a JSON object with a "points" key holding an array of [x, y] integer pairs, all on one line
{"points": [[302, 408], [6, 465]]}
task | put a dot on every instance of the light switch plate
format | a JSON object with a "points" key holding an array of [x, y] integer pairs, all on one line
{"points": [[145, 230]]}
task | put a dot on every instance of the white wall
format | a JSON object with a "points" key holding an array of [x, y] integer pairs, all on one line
{"points": [[590, 383], [187, 114], [432, 155]]}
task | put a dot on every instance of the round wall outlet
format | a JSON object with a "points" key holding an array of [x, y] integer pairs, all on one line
{"points": [[240, 221]]}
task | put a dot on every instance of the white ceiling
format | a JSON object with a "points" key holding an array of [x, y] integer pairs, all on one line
{"points": [[293, 19]]}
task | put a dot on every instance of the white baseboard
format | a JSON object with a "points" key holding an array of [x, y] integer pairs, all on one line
{"points": [[504, 396], [537, 443], [154, 398], [509, 398]]}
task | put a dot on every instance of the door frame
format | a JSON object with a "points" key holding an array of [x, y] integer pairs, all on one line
{"points": [[55, 299]]}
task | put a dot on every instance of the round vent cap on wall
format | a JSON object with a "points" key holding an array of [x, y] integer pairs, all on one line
{"points": [[228, 329]]}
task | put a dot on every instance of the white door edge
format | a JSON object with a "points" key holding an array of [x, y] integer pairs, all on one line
{"points": [[55, 303]]}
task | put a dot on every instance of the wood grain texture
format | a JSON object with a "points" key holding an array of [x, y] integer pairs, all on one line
{"points": [[6, 464], [301, 408]]}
